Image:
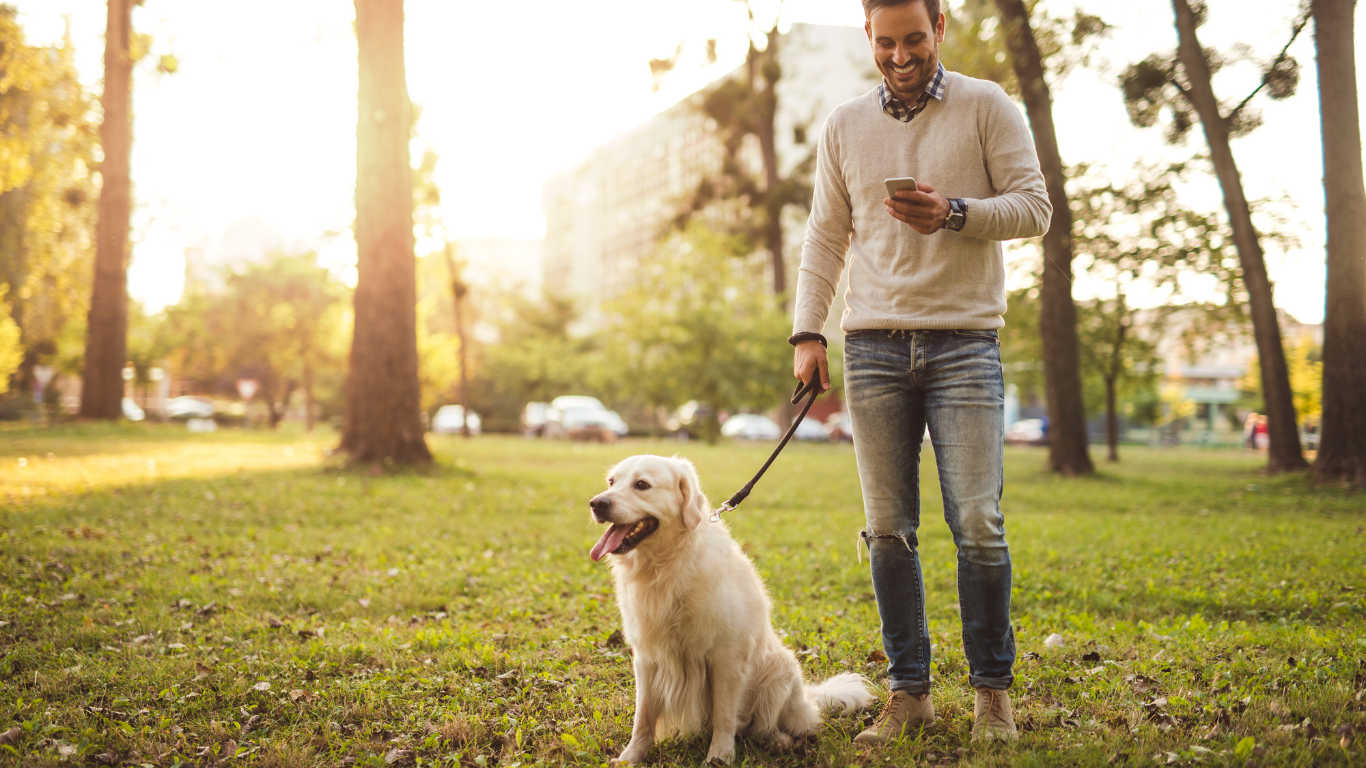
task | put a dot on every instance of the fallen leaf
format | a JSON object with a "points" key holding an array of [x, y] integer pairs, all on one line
{"points": [[106, 758], [616, 639], [261, 686], [1054, 641], [1031, 656], [877, 656], [399, 757], [1092, 656], [297, 694], [364, 602], [204, 670], [66, 750], [274, 623], [1345, 733], [13, 735], [208, 609]]}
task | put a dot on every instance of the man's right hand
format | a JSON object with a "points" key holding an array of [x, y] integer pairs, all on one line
{"points": [[810, 357]]}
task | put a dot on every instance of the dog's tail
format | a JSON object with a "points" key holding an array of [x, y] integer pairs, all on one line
{"points": [[848, 692]]}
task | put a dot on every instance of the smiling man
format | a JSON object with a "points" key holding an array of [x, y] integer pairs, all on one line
{"points": [[925, 299]]}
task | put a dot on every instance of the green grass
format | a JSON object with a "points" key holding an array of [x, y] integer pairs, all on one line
{"points": [[153, 582]]}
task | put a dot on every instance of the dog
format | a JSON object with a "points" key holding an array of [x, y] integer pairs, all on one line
{"points": [[697, 616]]}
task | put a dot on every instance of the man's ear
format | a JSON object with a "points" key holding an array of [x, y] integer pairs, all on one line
{"points": [[690, 488]]}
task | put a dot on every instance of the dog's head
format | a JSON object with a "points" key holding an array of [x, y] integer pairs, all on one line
{"points": [[646, 495]]}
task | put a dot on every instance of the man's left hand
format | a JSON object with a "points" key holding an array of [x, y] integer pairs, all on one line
{"points": [[924, 209]]}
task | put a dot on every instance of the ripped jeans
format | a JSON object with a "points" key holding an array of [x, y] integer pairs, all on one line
{"points": [[897, 382]]}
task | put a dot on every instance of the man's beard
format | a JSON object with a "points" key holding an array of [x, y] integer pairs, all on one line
{"points": [[927, 68]]}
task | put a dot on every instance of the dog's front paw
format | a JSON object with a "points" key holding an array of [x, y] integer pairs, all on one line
{"points": [[629, 756], [717, 756]]}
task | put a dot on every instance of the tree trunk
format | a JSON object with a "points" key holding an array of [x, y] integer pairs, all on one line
{"points": [[458, 292], [1279, 402], [766, 100], [1342, 436], [1068, 453], [1111, 379], [383, 395], [106, 336]]}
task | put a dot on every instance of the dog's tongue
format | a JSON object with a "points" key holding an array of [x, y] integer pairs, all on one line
{"points": [[611, 539]]}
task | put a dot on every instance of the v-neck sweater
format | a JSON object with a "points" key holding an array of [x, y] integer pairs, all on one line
{"points": [[972, 144]]}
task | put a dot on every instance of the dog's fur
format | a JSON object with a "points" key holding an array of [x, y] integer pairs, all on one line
{"points": [[696, 613]]}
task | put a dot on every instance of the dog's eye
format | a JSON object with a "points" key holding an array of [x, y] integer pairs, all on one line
{"points": [[641, 485]]}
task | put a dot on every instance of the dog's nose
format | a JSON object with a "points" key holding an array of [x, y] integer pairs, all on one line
{"points": [[600, 506]]}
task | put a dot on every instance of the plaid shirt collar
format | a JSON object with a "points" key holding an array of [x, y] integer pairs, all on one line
{"points": [[898, 108]]}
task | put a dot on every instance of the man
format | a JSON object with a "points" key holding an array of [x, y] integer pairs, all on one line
{"points": [[925, 299]]}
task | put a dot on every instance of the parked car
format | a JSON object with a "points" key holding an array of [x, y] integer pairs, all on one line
{"points": [[840, 427], [577, 417], [810, 429], [533, 419], [131, 411], [686, 421], [450, 420], [187, 407], [751, 426], [1025, 432], [590, 424]]}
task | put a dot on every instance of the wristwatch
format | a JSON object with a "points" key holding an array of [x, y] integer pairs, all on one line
{"points": [[958, 214]]}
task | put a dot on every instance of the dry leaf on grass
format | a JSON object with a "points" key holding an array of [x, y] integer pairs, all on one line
{"points": [[12, 735], [261, 686]]}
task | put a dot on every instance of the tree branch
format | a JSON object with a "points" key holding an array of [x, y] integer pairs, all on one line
{"points": [[1299, 26]]}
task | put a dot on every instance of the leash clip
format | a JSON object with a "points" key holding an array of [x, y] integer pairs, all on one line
{"points": [[716, 513]]}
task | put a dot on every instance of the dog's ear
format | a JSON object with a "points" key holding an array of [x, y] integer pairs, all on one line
{"points": [[694, 502]]}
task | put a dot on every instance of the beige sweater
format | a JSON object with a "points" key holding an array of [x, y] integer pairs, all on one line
{"points": [[972, 144]]}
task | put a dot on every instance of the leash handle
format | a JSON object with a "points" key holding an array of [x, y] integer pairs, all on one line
{"points": [[813, 388]]}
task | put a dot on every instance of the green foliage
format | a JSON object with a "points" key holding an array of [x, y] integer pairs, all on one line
{"points": [[446, 611], [47, 193], [11, 350], [1157, 84], [696, 326], [537, 357], [284, 322]]}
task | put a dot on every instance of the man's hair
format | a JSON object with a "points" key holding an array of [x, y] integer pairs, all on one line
{"points": [[931, 7]]}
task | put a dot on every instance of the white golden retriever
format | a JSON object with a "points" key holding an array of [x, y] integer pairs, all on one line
{"points": [[695, 612]]}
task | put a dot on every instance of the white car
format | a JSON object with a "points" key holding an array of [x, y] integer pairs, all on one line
{"points": [[450, 419], [1025, 432], [187, 407], [810, 429], [131, 411], [578, 416], [751, 426]]}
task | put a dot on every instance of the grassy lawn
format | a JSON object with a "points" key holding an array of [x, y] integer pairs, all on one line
{"points": [[171, 598]]}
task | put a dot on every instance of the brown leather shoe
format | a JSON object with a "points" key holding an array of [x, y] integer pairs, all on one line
{"points": [[902, 711], [992, 717]]}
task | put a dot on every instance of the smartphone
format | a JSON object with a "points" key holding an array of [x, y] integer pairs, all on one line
{"points": [[901, 182]]}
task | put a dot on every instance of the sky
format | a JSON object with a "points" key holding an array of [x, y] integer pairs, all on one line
{"points": [[259, 121]]}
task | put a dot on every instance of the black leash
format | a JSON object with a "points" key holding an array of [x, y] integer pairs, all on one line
{"points": [[812, 387]]}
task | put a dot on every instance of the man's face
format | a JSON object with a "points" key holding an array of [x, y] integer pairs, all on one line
{"points": [[905, 47]]}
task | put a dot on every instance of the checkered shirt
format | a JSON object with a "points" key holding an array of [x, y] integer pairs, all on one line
{"points": [[898, 109]]}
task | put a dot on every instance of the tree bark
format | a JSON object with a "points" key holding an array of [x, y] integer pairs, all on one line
{"points": [[763, 68], [1068, 454], [1279, 402], [106, 336], [1111, 380], [383, 393], [1342, 436], [458, 293]]}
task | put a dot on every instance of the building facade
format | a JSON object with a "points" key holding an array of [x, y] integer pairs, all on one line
{"points": [[608, 212]]}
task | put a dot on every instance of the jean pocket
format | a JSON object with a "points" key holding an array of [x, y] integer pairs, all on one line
{"points": [[987, 336]]}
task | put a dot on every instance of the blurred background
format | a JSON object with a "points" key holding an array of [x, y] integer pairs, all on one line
{"points": [[604, 244]]}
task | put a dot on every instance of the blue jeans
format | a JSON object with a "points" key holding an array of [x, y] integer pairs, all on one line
{"points": [[896, 382]]}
